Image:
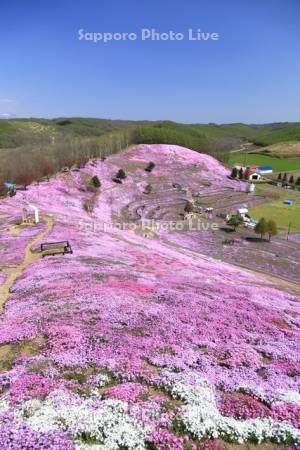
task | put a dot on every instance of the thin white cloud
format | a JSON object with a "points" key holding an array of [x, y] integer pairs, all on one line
{"points": [[7, 101], [6, 115]]}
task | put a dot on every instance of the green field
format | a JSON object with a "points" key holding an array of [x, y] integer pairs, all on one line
{"points": [[278, 165], [276, 210]]}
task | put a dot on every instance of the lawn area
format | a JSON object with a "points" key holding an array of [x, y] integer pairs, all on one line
{"points": [[276, 210], [278, 165]]}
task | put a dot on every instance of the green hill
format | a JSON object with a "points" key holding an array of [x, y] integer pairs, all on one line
{"points": [[17, 132], [277, 133]]}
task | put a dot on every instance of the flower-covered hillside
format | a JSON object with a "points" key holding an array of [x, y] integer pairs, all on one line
{"points": [[134, 342]]}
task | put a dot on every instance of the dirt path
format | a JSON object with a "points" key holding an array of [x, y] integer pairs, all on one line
{"points": [[29, 257]]}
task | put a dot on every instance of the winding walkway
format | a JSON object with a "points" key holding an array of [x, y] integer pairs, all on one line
{"points": [[29, 257]]}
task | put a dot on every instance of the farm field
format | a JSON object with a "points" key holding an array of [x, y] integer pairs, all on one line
{"points": [[146, 338], [278, 165], [276, 210]]}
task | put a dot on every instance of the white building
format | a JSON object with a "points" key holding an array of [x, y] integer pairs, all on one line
{"points": [[239, 166], [244, 214], [253, 176]]}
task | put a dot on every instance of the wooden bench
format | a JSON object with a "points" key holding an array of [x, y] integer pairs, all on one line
{"points": [[55, 248]]}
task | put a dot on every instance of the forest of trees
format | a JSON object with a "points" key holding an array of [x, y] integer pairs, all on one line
{"points": [[35, 162]]}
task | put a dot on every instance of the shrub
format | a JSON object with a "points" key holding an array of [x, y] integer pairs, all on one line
{"points": [[88, 206], [188, 207], [150, 166], [235, 221], [148, 189], [121, 174], [95, 181]]}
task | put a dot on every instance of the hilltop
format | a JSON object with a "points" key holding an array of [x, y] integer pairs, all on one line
{"points": [[144, 337]]}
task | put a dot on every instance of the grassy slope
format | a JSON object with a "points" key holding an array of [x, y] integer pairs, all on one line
{"points": [[7, 132], [214, 131], [278, 165], [17, 131], [90, 126], [282, 150], [276, 210]]}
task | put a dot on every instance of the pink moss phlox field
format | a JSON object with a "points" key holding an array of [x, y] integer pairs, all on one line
{"points": [[127, 392], [101, 327], [242, 406], [29, 386], [163, 439], [294, 237], [287, 411]]}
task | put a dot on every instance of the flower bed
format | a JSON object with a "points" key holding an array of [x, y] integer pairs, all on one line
{"points": [[141, 342]]}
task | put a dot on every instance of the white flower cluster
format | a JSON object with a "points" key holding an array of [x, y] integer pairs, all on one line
{"points": [[4, 406], [202, 418], [106, 422], [98, 382], [290, 396], [101, 380]]}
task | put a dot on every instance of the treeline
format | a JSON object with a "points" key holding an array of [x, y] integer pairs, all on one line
{"points": [[169, 135], [287, 132], [24, 165]]}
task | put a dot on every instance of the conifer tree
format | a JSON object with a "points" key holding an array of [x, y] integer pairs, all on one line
{"points": [[261, 227]]}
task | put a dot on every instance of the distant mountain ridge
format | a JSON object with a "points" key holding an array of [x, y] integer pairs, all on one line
{"points": [[19, 132]]}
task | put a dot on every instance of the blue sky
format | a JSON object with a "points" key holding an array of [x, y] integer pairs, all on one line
{"points": [[251, 74]]}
